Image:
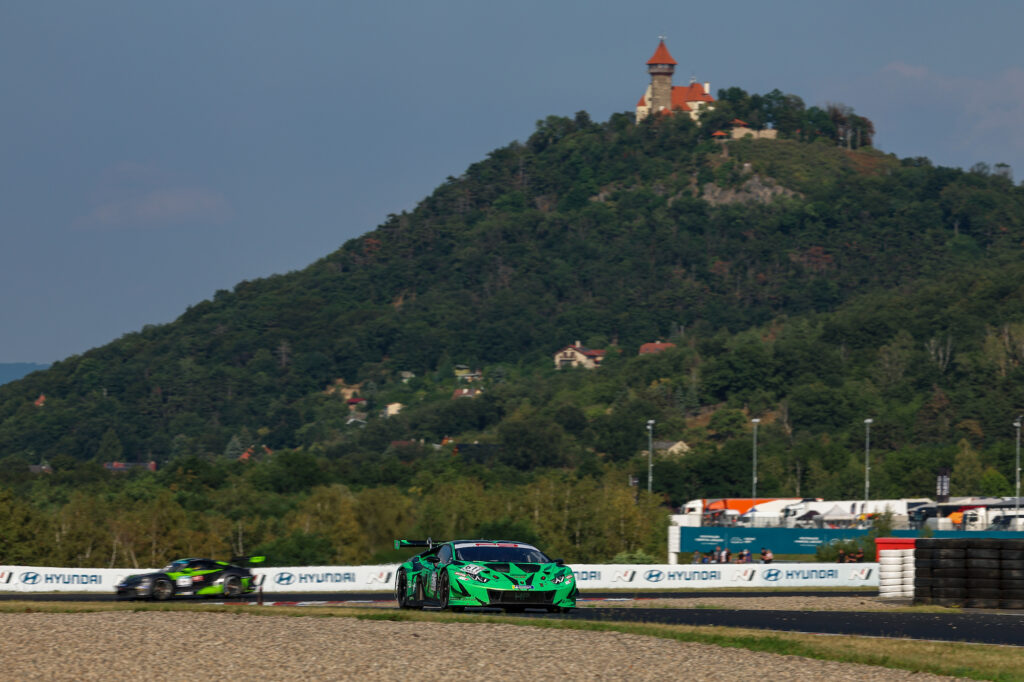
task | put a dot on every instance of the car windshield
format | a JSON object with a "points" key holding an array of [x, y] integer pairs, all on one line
{"points": [[501, 552], [175, 566]]}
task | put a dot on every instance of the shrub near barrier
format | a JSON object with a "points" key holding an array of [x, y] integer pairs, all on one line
{"points": [[972, 572]]}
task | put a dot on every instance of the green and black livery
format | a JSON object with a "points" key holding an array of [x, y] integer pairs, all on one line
{"points": [[504, 574], [192, 578]]}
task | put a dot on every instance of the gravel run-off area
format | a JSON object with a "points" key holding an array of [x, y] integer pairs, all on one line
{"points": [[181, 646]]}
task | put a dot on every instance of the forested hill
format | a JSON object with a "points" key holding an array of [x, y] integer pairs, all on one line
{"points": [[799, 279]]}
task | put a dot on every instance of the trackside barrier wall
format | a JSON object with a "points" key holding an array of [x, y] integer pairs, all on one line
{"points": [[381, 578], [687, 539]]}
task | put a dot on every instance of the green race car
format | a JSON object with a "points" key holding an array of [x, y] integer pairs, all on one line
{"points": [[494, 573], [193, 578]]}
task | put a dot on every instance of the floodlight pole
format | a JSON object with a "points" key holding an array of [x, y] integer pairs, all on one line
{"points": [[650, 453], [753, 484], [1016, 471], [867, 463]]}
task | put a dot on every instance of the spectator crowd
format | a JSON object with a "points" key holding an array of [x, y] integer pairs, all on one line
{"points": [[722, 555]]}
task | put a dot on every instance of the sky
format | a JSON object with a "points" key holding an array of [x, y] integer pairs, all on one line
{"points": [[154, 153]]}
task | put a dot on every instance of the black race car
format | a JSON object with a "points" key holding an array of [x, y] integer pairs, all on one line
{"points": [[193, 578]]}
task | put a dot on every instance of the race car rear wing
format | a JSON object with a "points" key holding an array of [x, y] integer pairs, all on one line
{"points": [[238, 560], [428, 543]]}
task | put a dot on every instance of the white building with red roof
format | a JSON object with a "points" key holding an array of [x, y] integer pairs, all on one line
{"points": [[662, 96], [576, 355]]}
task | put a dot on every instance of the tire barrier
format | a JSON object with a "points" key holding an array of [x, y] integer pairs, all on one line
{"points": [[982, 573], [897, 568]]}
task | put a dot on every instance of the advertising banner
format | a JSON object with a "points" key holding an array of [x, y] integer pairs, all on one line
{"points": [[686, 539], [52, 579], [328, 578], [381, 578], [667, 576], [778, 540]]}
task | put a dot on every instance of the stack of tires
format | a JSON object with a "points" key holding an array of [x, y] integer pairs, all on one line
{"points": [[984, 573], [982, 568], [896, 573], [924, 572], [1011, 574]]}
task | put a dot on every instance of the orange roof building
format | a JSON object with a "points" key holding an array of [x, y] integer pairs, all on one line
{"points": [[655, 347], [662, 96]]}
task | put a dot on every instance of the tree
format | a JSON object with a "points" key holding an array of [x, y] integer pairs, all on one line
{"points": [[967, 471], [110, 449], [530, 440], [17, 530], [994, 484], [330, 512]]}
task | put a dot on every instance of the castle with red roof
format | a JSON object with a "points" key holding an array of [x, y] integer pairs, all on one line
{"points": [[662, 96]]}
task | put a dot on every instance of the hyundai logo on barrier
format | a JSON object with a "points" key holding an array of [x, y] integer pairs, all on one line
{"points": [[284, 578], [29, 578], [653, 576], [772, 574]]}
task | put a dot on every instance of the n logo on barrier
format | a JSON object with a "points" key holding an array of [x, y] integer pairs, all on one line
{"points": [[623, 576], [5, 577], [860, 573], [745, 574], [383, 577]]}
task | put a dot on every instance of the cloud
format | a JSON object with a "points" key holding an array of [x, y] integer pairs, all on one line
{"points": [[962, 119], [906, 70], [165, 205], [136, 195]]}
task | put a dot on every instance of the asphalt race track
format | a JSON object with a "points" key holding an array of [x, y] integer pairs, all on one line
{"points": [[981, 628], [967, 626]]}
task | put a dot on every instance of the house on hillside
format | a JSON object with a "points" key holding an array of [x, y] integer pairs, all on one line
{"points": [[578, 355], [464, 373], [346, 391], [672, 448], [738, 129], [467, 392], [663, 97], [128, 466], [655, 347]]}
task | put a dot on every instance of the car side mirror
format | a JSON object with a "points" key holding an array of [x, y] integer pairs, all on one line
{"points": [[432, 559], [560, 562]]}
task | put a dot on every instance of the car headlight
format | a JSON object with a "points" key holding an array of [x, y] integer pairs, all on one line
{"points": [[478, 577]]}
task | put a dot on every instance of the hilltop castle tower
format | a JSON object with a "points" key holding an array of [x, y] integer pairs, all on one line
{"points": [[662, 96], [661, 66]]}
